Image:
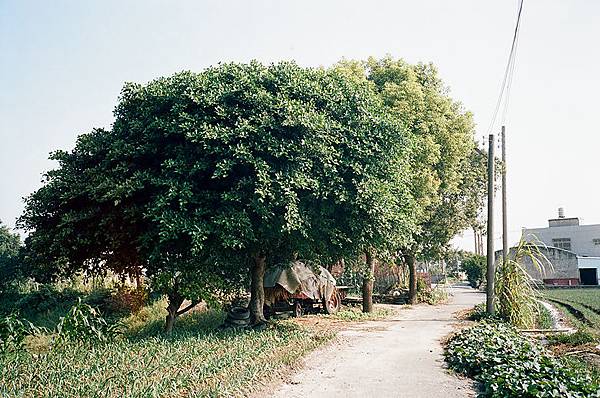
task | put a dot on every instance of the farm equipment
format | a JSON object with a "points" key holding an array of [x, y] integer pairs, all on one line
{"points": [[301, 289]]}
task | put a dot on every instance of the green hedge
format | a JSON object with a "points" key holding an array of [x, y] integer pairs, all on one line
{"points": [[508, 364]]}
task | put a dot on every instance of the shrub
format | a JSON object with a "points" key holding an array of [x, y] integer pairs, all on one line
{"points": [[127, 299], [510, 365], [13, 331], [46, 298], [432, 296], [580, 337], [475, 268], [10, 244], [515, 288], [84, 323]]}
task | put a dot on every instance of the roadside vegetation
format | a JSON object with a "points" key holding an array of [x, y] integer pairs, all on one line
{"points": [[146, 231], [125, 352], [581, 309], [509, 363], [196, 360]]}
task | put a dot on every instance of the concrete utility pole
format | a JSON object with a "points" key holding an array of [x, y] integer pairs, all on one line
{"points": [[489, 305], [504, 218]]}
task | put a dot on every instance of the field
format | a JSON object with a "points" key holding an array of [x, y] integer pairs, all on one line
{"points": [[197, 360], [581, 306]]}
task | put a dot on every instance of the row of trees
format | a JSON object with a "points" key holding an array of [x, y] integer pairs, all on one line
{"points": [[205, 179]]}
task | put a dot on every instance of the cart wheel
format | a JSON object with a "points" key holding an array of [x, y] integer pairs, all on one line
{"points": [[332, 305], [298, 310]]}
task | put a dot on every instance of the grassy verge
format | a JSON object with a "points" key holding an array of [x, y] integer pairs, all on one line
{"points": [[194, 361], [544, 318], [355, 314]]}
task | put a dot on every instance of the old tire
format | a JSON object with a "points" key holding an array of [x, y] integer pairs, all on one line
{"points": [[333, 304], [239, 313], [237, 322]]}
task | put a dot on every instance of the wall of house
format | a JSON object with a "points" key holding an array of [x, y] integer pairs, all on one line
{"points": [[582, 237], [558, 265]]}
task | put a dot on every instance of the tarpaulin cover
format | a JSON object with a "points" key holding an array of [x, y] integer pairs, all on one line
{"points": [[297, 278]]}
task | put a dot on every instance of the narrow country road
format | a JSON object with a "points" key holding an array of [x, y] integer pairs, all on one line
{"points": [[397, 357]]}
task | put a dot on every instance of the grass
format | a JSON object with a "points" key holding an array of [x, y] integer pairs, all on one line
{"points": [[544, 318], [195, 361], [355, 314], [580, 306]]}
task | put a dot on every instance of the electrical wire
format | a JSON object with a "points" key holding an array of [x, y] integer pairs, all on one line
{"points": [[508, 73]]}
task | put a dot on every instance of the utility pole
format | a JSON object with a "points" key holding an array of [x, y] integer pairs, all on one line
{"points": [[504, 219], [489, 305]]}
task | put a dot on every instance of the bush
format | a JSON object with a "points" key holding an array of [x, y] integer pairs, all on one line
{"points": [[578, 338], [510, 365], [475, 267], [127, 300], [10, 245], [45, 299], [515, 288], [83, 323], [431, 296], [13, 331]]}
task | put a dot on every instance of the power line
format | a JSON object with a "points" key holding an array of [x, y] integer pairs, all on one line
{"points": [[508, 73]]}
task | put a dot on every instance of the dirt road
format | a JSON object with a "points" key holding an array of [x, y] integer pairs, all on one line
{"points": [[397, 357]]}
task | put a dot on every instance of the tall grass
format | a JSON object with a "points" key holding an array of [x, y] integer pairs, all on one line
{"points": [[195, 361], [516, 290]]}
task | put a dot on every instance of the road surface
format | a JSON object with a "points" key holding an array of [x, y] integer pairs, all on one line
{"points": [[397, 357]]}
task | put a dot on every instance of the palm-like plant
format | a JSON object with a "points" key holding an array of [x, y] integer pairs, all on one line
{"points": [[516, 288]]}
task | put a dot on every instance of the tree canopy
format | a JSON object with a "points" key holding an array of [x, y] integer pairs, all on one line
{"points": [[10, 245], [206, 176], [449, 171]]}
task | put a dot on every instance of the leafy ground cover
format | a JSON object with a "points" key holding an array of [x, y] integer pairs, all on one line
{"points": [[508, 364]]}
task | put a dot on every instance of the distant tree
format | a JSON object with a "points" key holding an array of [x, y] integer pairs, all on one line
{"points": [[206, 179], [475, 266], [449, 171], [10, 244]]}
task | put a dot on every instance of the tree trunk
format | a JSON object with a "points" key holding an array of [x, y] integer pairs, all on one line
{"points": [[257, 290], [367, 288], [175, 301], [411, 262]]}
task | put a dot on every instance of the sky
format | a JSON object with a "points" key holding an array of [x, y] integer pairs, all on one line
{"points": [[63, 64]]}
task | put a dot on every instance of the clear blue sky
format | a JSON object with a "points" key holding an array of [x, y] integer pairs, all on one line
{"points": [[63, 63]]}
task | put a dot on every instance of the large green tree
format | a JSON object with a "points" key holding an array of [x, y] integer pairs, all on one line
{"points": [[10, 245], [449, 171], [206, 179]]}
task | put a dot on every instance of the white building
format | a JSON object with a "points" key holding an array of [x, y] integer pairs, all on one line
{"points": [[567, 234]]}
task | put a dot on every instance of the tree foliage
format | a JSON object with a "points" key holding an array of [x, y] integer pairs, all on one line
{"points": [[449, 171], [10, 245], [475, 266], [204, 175]]}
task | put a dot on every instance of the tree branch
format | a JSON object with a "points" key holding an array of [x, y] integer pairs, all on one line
{"points": [[186, 309]]}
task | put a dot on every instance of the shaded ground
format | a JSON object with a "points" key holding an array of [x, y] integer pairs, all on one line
{"points": [[397, 357]]}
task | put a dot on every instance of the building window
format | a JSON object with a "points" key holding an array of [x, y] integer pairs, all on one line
{"points": [[596, 241], [562, 243]]}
